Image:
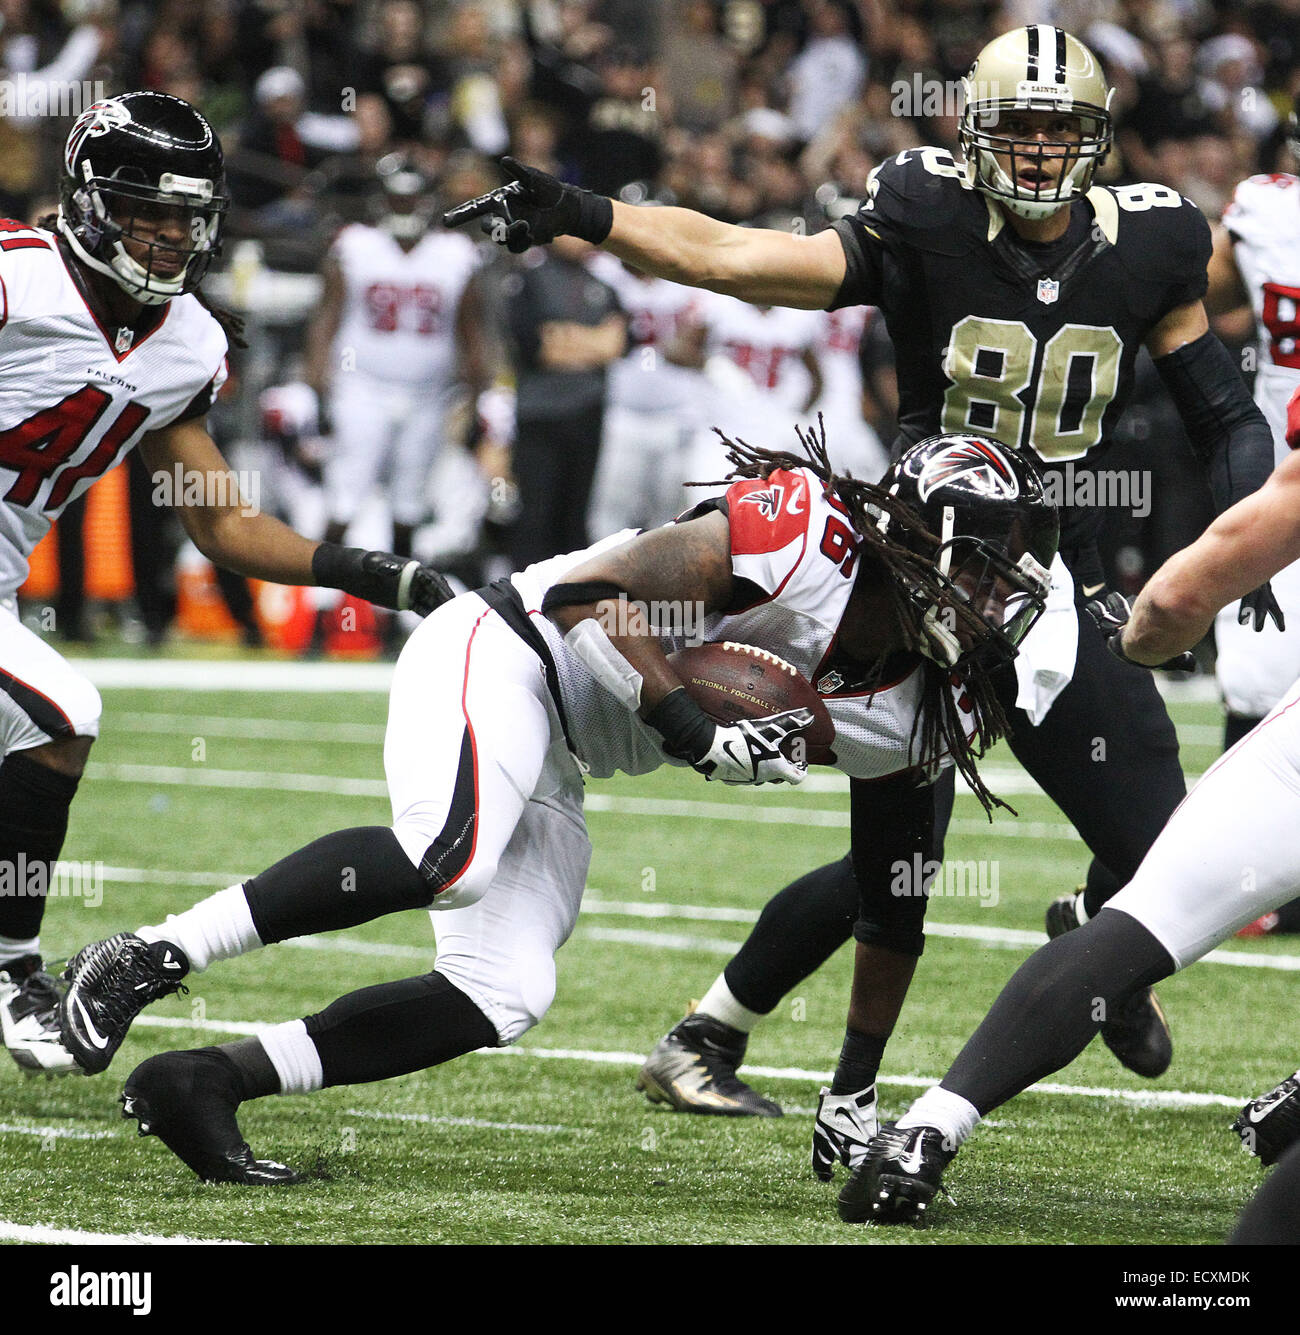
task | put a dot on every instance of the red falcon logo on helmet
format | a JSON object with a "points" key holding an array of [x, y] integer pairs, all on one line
{"points": [[977, 461]]}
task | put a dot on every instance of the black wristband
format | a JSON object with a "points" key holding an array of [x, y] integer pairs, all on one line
{"points": [[375, 577], [595, 217], [686, 729]]}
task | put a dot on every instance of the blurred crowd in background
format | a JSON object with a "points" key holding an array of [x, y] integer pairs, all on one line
{"points": [[338, 112]]}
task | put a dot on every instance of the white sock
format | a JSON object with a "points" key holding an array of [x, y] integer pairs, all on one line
{"points": [[721, 1005], [1080, 913], [294, 1057], [955, 1116], [217, 928], [13, 949]]}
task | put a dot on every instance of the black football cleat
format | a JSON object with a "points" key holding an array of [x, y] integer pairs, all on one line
{"points": [[188, 1100], [29, 1018], [1138, 1034], [897, 1180], [1270, 1125], [109, 983], [693, 1069]]}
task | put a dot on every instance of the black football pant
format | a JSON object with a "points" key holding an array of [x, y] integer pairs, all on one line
{"points": [[1106, 754], [554, 462]]}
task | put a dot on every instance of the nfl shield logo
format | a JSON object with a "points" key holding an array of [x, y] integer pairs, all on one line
{"points": [[1048, 290]]}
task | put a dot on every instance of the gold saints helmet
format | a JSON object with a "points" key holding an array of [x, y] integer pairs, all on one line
{"points": [[1038, 68]]}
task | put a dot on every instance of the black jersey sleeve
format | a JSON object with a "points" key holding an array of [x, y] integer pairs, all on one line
{"points": [[912, 204], [1165, 243], [1190, 244]]}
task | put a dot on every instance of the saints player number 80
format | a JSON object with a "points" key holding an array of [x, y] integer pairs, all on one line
{"points": [[993, 362]]}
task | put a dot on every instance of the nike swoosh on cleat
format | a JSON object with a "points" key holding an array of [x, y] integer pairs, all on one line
{"points": [[96, 1038], [912, 1160], [1260, 1110]]}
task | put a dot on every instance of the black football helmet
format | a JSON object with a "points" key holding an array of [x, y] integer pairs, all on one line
{"points": [[992, 534], [133, 162]]}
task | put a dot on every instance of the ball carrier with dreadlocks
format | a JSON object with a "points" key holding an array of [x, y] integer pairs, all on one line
{"points": [[1018, 294], [897, 600], [105, 345]]}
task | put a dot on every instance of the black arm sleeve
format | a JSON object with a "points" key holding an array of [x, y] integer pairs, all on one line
{"points": [[864, 278], [1226, 428], [895, 854]]}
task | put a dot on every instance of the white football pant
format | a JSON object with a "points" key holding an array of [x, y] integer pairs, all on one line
{"points": [[1229, 853], [476, 760], [382, 430], [42, 697]]}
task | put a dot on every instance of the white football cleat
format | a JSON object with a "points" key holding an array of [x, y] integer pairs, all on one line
{"points": [[29, 1018]]}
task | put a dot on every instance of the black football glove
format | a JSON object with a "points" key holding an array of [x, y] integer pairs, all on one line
{"points": [[392, 581], [1261, 605], [1111, 618], [533, 208], [1270, 1125]]}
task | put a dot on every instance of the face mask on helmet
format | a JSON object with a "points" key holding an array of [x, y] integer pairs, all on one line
{"points": [[126, 208], [407, 206], [990, 604], [990, 536], [1033, 79]]}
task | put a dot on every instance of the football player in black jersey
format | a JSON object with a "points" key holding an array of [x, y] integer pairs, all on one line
{"points": [[1017, 295]]}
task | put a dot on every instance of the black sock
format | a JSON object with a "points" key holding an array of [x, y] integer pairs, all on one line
{"points": [[859, 1062], [395, 1028], [1053, 1005], [1236, 726], [341, 880], [257, 1077], [34, 802], [798, 931], [1101, 885]]}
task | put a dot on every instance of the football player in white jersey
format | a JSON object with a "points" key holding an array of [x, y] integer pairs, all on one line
{"points": [[854, 445], [1256, 259], [105, 344], [897, 602], [1228, 854], [760, 368], [651, 406], [398, 325]]}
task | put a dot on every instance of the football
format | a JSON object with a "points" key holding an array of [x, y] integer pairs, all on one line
{"points": [[735, 681]]}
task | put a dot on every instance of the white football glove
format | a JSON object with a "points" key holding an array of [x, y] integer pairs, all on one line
{"points": [[750, 751], [843, 1129]]}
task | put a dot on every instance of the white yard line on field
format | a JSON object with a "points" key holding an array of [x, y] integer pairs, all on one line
{"points": [[296, 677], [756, 812], [54, 1132], [245, 674], [462, 1121], [986, 934], [255, 729], [10, 1232], [1149, 1098]]}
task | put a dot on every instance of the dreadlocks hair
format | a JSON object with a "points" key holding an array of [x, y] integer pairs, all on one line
{"points": [[890, 550], [232, 325]]}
